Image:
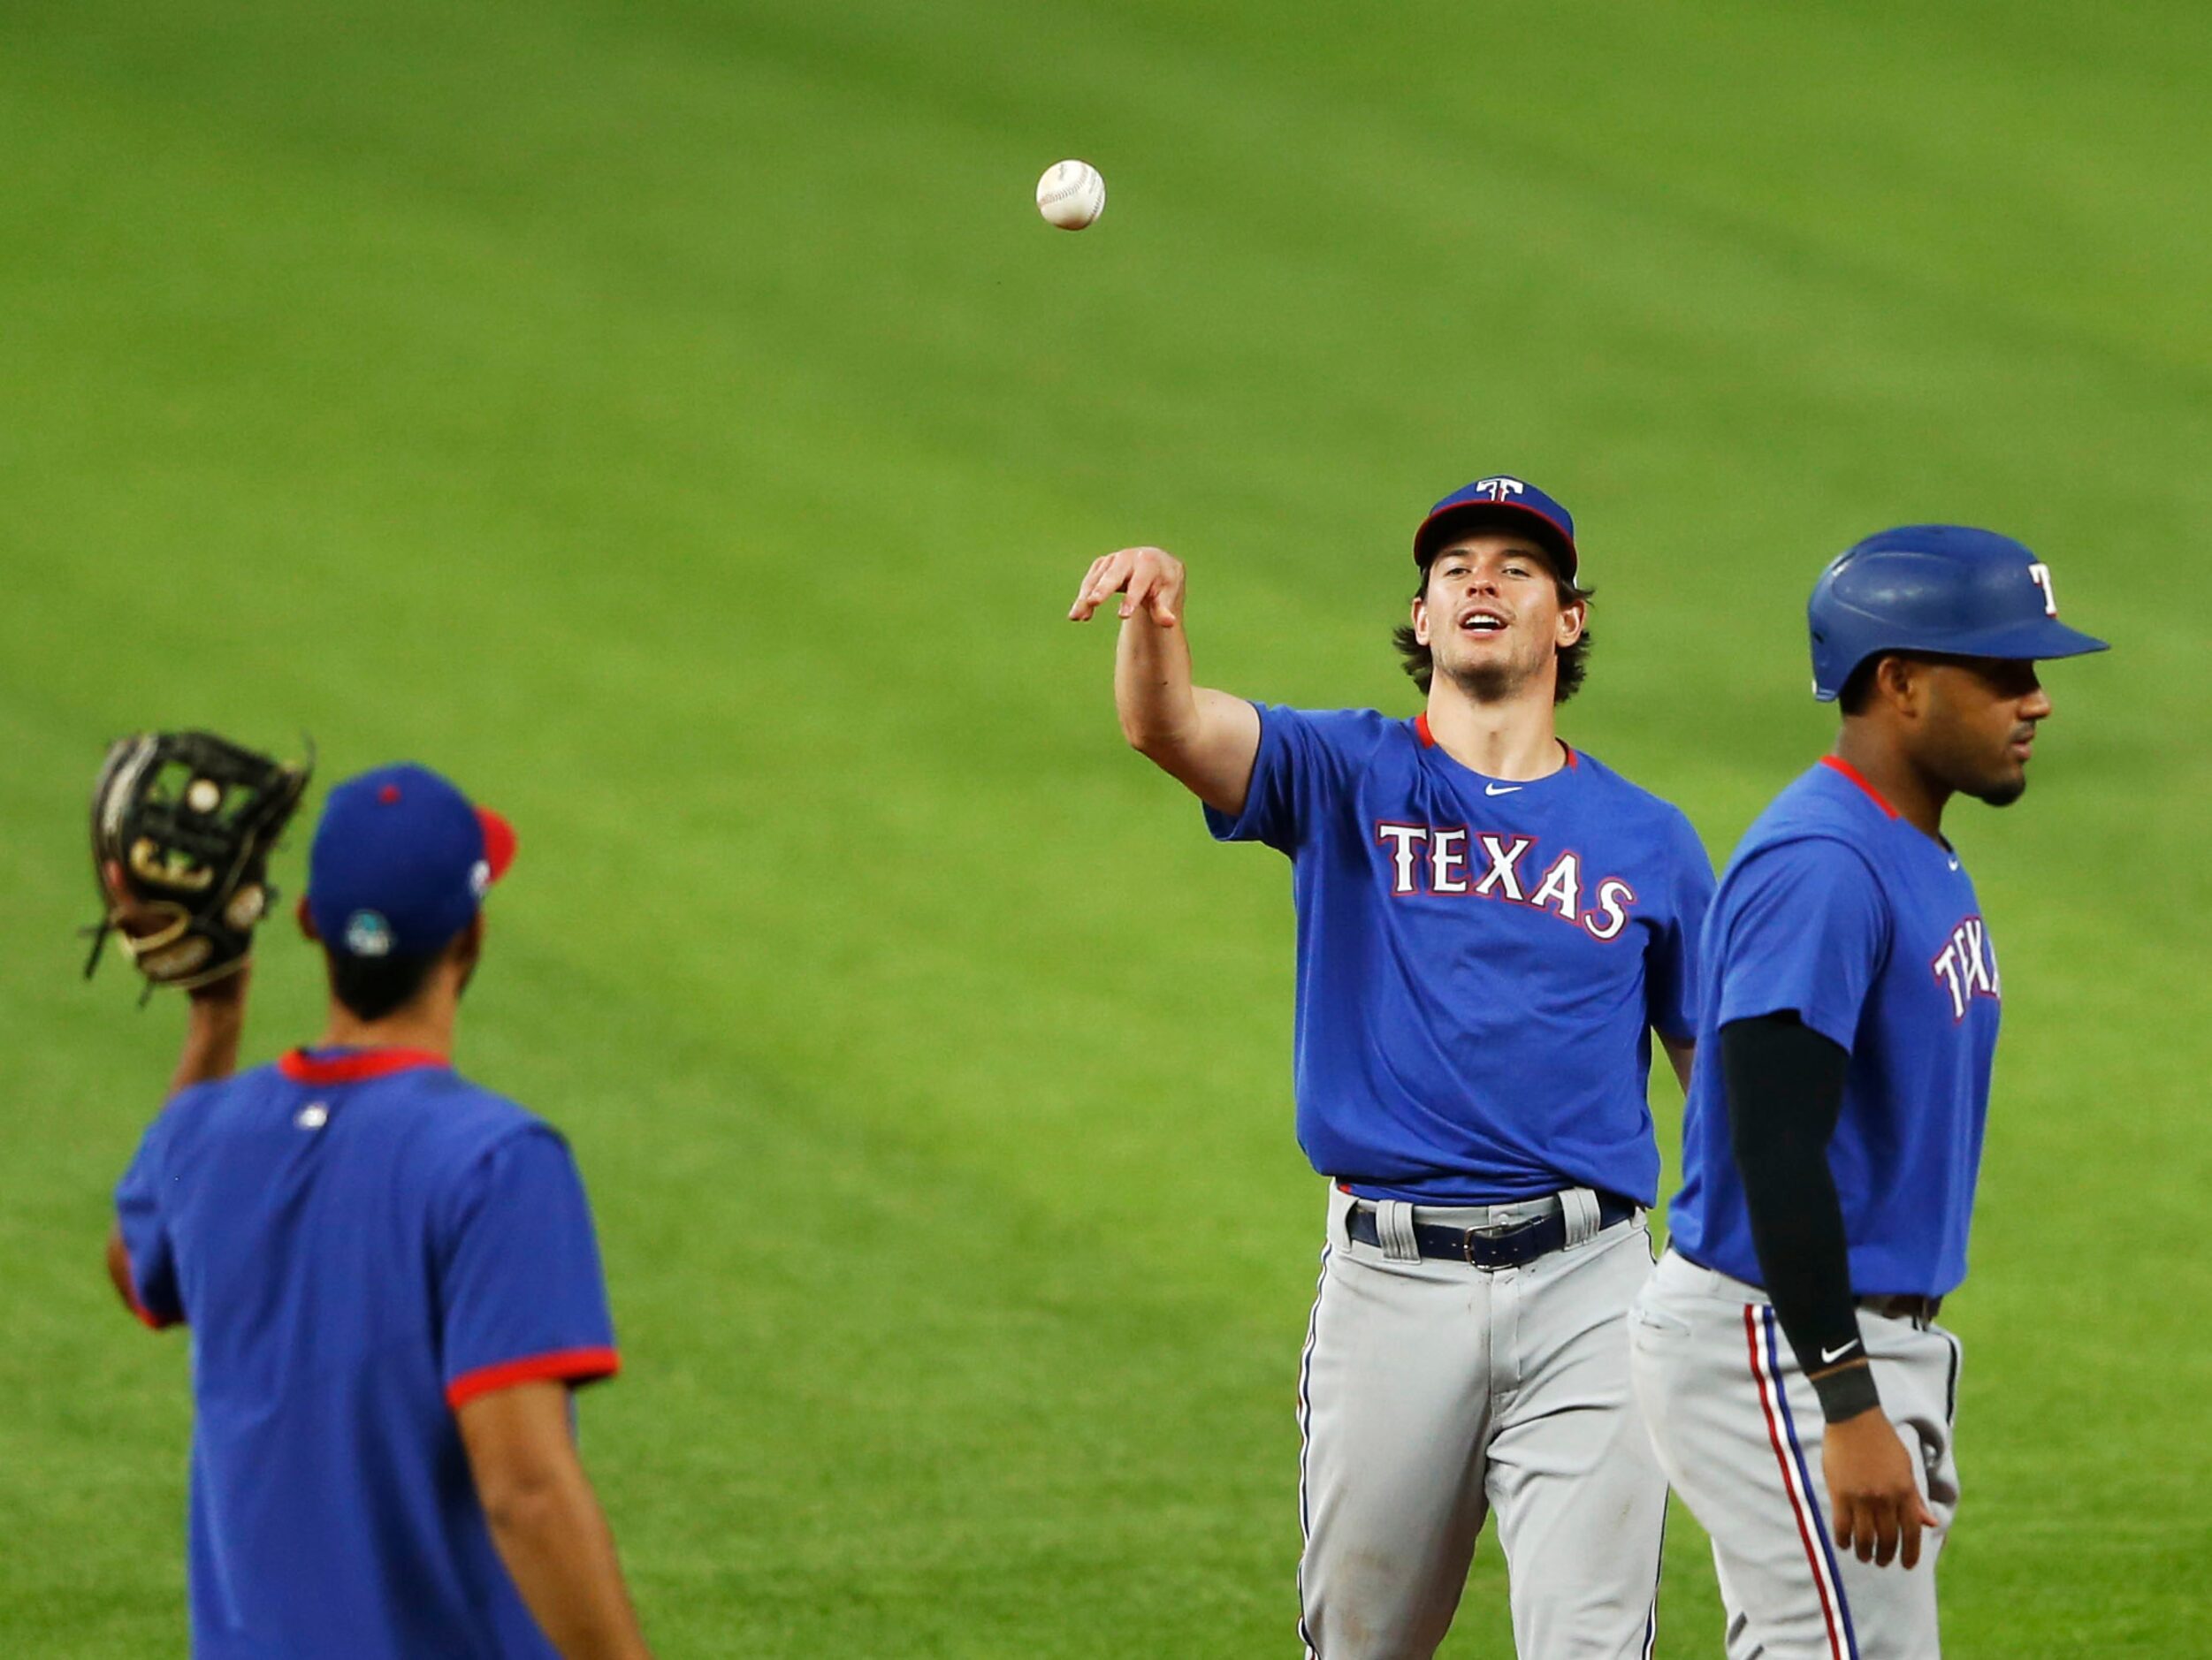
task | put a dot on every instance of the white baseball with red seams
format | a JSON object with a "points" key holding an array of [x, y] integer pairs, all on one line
{"points": [[1071, 195]]}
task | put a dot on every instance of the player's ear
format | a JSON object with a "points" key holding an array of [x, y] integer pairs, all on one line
{"points": [[1421, 611], [1898, 682], [1573, 620], [306, 922], [466, 951]]}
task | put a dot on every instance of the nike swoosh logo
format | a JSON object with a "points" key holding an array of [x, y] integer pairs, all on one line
{"points": [[1501, 789], [1830, 1357]]}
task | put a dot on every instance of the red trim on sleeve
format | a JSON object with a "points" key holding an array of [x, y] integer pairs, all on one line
{"points": [[1838, 763], [147, 1317], [577, 1365], [355, 1066]]}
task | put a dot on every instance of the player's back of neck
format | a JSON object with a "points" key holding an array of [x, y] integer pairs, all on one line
{"points": [[425, 1025], [1512, 737]]}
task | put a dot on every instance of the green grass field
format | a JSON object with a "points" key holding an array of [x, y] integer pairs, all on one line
{"points": [[672, 419]]}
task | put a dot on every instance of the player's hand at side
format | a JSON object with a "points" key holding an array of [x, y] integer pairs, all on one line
{"points": [[1149, 579], [1874, 1502]]}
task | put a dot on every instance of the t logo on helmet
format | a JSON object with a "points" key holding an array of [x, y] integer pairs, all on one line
{"points": [[2039, 574], [1499, 488]]}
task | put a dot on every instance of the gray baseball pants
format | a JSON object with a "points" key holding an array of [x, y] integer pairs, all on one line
{"points": [[1433, 1394], [1738, 1431]]}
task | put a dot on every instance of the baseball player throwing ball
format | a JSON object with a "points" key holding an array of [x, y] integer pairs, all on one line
{"points": [[1490, 928], [1787, 1357]]}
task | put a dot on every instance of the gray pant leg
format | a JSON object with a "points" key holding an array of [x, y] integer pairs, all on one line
{"points": [[1738, 1431], [1432, 1391], [1394, 1395], [1580, 1497]]}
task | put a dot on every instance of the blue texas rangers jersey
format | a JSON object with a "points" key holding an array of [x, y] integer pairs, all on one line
{"points": [[1480, 960], [1839, 909], [362, 1242]]}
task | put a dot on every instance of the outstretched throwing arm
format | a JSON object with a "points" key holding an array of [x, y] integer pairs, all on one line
{"points": [[1206, 739]]}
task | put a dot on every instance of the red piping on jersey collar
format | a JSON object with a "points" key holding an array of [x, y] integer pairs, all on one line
{"points": [[1429, 739], [1840, 765], [352, 1066]]}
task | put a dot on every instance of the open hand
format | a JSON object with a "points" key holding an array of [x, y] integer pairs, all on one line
{"points": [[1147, 578], [1873, 1503]]}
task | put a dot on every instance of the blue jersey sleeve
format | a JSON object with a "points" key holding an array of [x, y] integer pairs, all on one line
{"points": [[1806, 930], [154, 1295], [1303, 763], [1670, 975], [519, 1280]]}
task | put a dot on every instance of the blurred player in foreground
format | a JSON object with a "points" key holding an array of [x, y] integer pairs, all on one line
{"points": [[393, 1285], [1490, 928], [1834, 1122]]}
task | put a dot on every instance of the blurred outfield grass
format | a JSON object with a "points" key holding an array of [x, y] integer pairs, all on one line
{"points": [[671, 419]]}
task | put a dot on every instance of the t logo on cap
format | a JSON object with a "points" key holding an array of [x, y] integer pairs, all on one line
{"points": [[1501, 500]]}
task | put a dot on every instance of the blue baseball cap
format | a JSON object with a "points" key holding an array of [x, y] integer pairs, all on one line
{"points": [[402, 860], [1949, 588], [1500, 494]]}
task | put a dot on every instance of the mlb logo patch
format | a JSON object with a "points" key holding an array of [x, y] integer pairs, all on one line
{"points": [[368, 934]]}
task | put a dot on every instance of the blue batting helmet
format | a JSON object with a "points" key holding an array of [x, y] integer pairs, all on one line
{"points": [[1941, 588]]}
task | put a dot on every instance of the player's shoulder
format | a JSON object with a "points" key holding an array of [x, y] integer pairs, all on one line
{"points": [[1813, 835], [198, 1108], [1823, 808], [1628, 800], [467, 1144], [197, 1101], [1805, 856], [467, 1119], [1339, 743], [1344, 728]]}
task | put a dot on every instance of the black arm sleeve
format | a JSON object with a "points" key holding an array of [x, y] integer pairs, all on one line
{"points": [[1785, 1092]]}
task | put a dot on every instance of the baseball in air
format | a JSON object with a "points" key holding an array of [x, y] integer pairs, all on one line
{"points": [[1071, 195]]}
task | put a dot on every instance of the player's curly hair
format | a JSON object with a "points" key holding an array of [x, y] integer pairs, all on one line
{"points": [[1574, 659]]}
